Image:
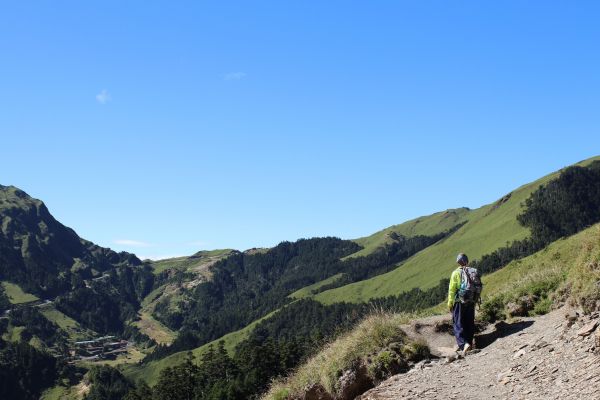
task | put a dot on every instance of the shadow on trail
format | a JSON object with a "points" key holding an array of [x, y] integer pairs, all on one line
{"points": [[502, 329]]}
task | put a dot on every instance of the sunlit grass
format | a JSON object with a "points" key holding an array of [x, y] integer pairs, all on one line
{"points": [[16, 295]]}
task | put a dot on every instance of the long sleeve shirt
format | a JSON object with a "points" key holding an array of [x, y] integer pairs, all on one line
{"points": [[453, 287]]}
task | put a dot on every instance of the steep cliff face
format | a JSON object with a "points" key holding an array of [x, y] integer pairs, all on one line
{"points": [[97, 287], [41, 254]]}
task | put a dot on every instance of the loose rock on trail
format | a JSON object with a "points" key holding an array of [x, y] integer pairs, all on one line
{"points": [[555, 356]]}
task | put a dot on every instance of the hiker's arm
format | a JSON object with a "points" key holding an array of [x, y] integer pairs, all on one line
{"points": [[453, 288]]}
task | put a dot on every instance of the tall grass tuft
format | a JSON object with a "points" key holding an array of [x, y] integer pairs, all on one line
{"points": [[583, 284], [374, 333]]}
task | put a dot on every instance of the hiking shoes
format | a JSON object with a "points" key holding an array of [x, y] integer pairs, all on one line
{"points": [[466, 348]]}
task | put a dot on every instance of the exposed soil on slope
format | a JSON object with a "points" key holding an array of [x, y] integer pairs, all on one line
{"points": [[555, 356]]}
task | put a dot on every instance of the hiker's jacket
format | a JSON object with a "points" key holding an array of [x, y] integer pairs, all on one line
{"points": [[454, 286]]}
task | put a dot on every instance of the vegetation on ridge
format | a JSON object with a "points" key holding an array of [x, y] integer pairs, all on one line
{"points": [[430, 225], [418, 299], [106, 291], [487, 229], [369, 338], [245, 287], [568, 270], [565, 271]]}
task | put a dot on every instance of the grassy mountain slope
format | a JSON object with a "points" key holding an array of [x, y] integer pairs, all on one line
{"points": [[150, 372], [307, 290], [427, 225], [194, 263], [197, 267], [566, 270], [233, 285], [42, 255], [95, 286], [71, 327], [487, 229], [154, 329], [16, 295]]}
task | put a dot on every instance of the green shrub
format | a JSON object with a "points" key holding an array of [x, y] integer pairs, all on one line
{"points": [[542, 288], [281, 394], [382, 365], [543, 306], [492, 310], [416, 351]]}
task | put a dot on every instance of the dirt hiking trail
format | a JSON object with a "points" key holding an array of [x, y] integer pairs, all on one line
{"points": [[555, 356]]}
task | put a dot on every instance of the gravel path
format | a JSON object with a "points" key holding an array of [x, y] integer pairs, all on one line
{"points": [[548, 357]]}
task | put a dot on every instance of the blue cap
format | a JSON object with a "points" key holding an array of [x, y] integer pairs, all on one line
{"points": [[462, 257]]}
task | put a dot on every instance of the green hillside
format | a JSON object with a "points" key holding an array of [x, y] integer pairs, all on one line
{"points": [[175, 291], [16, 295], [71, 327], [487, 229], [150, 372], [307, 290], [222, 295], [566, 270], [198, 261], [427, 225]]}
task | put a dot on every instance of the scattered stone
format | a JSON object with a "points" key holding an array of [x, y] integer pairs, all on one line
{"points": [[519, 353], [522, 346], [540, 344], [571, 317], [588, 329], [503, 375], [545, 367], [451, 358]]}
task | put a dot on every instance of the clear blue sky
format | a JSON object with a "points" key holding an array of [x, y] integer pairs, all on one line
{"points": [[163, 128]]}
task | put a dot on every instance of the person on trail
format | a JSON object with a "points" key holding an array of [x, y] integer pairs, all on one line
{"points": [[463, 293]]}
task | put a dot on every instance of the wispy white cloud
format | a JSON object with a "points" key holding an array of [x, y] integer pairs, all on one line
{"points": [[234, 76], [103, 97], [133, 243]]}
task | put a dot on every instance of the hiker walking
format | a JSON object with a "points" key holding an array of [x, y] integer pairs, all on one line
{"points": [[463, 293]]}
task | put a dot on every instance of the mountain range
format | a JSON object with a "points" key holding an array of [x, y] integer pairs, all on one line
{"points": [[236, 320]]}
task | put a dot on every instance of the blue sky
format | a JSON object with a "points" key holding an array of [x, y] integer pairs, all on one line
{"points": [[164, 128]]}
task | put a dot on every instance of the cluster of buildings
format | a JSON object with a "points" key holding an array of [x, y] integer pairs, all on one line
{"points": [[102, 348]]}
